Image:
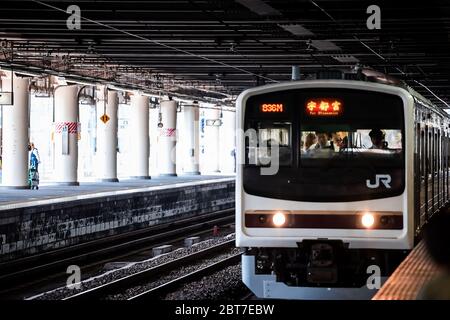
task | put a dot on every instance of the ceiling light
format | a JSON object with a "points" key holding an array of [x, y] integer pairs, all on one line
{"points": [[324, 45], [344, 58], [296, 29], [259, 7]]}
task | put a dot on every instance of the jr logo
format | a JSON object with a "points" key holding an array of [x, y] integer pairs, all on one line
{"points": [[383, 178]]}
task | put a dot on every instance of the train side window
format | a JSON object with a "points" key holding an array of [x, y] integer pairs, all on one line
{"points": [[447, 159], [417, 177], [446, 140], [427, 159], [423, 175], [444, 167], [422, 156], [442, 171], [431, 173], [437, 170], [441, 156]]}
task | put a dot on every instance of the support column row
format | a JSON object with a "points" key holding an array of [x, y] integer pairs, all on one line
{"points": [[15, 134], [66, 126]]}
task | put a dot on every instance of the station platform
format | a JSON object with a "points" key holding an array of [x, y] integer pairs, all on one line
{"points": [[53, 217], [16, 198], [410, 276]]}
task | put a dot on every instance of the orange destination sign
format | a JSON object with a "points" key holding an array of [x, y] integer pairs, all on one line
{"points": [[324, 107], [272, 107]]}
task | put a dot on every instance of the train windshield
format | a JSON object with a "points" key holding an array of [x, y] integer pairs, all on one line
{"points": [[363, 146], [331, 145]]}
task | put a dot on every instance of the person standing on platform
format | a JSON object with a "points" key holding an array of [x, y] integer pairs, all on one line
{"points": [[35, 160], [437, 242]]}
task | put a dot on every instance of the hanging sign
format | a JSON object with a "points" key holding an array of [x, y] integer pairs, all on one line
{"points": [[105, 118]]}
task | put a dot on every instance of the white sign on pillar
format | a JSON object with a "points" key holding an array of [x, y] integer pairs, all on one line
{"points": [[65, 139], [6, 98], [212, 141]]}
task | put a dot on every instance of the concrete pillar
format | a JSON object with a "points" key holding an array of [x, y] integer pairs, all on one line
{"points": [[212, 145], [167, 139], [227, 148], [191, 140], [180, 146], [107, 134], [139, 137], [15, 135], [66, 135], [153, 124]]}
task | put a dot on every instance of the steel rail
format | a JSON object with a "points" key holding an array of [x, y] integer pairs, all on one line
{"points": [[26, 268], [128, 281]]}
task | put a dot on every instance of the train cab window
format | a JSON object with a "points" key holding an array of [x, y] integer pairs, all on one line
{"points": [[368, 143], [361, 133], [269, 141]]}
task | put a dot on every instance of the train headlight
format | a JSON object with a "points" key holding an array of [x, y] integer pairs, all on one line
{"points": [[367, 220], [279, 219]]}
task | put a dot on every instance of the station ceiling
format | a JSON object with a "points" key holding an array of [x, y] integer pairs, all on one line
{"points": [[222, 47]]}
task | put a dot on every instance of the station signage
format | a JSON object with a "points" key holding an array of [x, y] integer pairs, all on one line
{"points": [[324, 107], [272, 107], [105, 118], [6, 98]]}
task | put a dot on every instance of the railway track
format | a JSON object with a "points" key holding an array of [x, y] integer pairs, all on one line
{"points": [[178, 282], [248, 296], [22, 274], [145, 276]]}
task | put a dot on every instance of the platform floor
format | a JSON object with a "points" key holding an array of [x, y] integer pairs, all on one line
{"points": [[10, 198], [409, 277]]}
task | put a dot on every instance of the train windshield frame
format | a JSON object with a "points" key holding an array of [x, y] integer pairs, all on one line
{"points": [[352, 146]]}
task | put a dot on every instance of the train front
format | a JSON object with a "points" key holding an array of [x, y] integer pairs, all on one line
{"points": [[323, 187]]}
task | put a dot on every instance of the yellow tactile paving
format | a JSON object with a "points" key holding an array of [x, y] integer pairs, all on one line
{"points": [[409, 277]]}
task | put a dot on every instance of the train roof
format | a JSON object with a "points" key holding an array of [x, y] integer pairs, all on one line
{"points": [[387, 80]]}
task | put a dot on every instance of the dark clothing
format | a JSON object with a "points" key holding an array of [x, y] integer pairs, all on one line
{"points": [[436, 289], [34, 159], [33, 174]]}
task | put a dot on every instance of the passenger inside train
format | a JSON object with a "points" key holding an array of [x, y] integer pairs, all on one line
{"points": [[377, 137], [360, 141], [325, 144], [310, 142], [323, 141]]}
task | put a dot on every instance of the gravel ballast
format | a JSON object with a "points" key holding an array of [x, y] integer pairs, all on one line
{"points": [[131, 268]]}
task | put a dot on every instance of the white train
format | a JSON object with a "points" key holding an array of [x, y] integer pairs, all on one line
{"points": [[361, 168]]}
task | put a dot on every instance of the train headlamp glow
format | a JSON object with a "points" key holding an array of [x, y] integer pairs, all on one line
{"points": [[279, 219], [367, 220]]}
